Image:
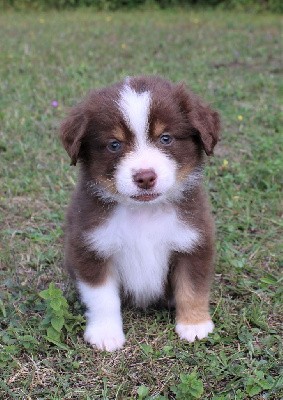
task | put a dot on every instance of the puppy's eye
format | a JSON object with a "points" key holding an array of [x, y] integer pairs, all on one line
{"points": [[114, 146], [166, 139]]}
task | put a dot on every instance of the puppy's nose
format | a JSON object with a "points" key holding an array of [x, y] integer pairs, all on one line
{"points": [[145, 178]]}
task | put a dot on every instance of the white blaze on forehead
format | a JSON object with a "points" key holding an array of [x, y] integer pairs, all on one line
{"points": [[135, 110]]}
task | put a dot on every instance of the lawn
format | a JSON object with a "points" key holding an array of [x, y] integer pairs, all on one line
{"points": [[233, 61]]}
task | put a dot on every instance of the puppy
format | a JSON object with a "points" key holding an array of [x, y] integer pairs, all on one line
{"points": [[139, 225]]}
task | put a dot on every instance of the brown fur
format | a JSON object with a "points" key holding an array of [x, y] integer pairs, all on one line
{"points": [[85, 134]]}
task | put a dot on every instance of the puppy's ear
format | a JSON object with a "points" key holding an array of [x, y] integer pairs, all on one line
{"points": [[72, 131], [202, 118]]}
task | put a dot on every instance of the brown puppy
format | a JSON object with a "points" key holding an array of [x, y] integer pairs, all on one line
{"points": [[139, 223]]}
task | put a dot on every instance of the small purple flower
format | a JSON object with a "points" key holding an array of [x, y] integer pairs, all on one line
{"points": [[54, 103]]}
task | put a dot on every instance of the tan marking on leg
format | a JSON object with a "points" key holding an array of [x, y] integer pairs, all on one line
{"points": [[192, 305], [191, 308]]}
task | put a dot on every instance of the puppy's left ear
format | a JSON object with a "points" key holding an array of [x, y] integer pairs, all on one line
{"points": [[202, 118]]}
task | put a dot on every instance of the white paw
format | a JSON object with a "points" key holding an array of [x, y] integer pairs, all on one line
{"points": [[190, 332], [109, 338]]}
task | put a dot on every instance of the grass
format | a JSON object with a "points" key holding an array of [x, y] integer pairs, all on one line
{"points": [[234, 62]]}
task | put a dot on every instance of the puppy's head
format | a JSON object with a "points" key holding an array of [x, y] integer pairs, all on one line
{"points": [[141, 140]]}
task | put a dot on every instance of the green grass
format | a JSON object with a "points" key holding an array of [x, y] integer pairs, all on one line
{"points": [[232, 60]]}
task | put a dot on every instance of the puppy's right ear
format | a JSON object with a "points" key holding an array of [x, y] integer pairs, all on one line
{"points": [[72, 131], [203, 119]]}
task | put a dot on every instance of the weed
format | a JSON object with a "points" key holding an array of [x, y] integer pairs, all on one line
{"points": [[57, 316], [258, 382], [143, 392], [190, 387]]}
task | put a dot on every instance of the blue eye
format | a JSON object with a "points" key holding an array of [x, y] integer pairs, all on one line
{"points": [[166, 139], [114, 146]]}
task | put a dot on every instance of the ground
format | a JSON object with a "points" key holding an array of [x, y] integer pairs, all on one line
{"points": [[47, 63]]}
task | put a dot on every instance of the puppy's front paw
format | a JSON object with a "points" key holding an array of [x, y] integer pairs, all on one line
{"points": [[191, 332], [105, 337]]}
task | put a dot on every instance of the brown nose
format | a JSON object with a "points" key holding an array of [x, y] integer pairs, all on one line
{"points": [[145, 178]]}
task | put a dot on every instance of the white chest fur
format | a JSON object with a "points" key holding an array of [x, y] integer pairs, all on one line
{"points": [[139, 240]]}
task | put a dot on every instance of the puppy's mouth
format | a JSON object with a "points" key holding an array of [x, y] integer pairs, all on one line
{"points": [[146, 197]]}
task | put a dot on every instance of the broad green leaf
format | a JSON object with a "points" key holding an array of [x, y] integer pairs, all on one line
{"points": [[57, 323], [147, 348], [53, 334], [197, 389], [55, 305], [44, 294], [61, 346], [143, 391], [253, 389]]}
